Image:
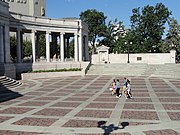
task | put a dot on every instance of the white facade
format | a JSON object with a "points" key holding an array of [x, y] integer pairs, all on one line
{"points": [[62, 28], [28, 7], [149, 58], [34, 26], [103, 54]]}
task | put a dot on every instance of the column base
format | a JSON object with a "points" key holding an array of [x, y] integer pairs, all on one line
{"points": [[8, 70]]}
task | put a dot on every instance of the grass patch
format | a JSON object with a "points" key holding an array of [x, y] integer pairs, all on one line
{"points": [[57, 70]]}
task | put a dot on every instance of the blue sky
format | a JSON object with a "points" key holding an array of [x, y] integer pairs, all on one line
{"points": [[120, 9]]}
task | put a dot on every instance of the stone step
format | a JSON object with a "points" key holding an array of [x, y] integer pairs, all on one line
{"points": [[166, 70], [6, 86], [8, 82]]}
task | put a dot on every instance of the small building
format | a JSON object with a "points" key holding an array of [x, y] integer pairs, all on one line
{"points": [[103, 54]]}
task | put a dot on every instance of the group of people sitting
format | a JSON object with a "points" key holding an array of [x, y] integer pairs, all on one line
{"points": [[126, 89]]}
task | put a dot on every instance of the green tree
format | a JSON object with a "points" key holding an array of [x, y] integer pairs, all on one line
{"points": [[96, 24], [147, 27], [42, 45], [113, 36], [172, 40], [71, 48], [13, 48], [27, 48]]}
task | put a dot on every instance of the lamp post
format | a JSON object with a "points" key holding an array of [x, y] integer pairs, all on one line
{"points": [[128, 49]]}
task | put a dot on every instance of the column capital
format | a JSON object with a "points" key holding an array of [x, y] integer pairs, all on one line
{"points": [[33, 31], [62, 33], [48, 32], [76, 34]]}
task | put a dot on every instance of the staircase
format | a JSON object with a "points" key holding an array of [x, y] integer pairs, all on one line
{"points": [[163, 70], [8, 82], [167, 70], [150, 70], [6, 86], [118, 69]]}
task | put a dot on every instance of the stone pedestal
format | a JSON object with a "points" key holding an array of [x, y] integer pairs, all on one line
{"points": [[8, 70]]}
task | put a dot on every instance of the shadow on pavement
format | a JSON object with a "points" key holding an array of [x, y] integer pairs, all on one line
{"points": [[110, 128], [7, 94]]}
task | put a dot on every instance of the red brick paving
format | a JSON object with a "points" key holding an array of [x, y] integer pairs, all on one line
{"points": [[49, 93], [83, 94], [59, 94], [81, 123], [140, 94], [8, 132], [53, 112], [24, 97], [10, 102], [101, 105], [169, 99], [174, 116], [139, 115], [107, 134], [66, 104], [15, 110], [138, 106], [29, 121], [75, 99], [139, 100], [47, 98], [33, 103], [94, 113], [106, 99], [168, 94], [4, 118], [171, 106], [162, 132], [35, 93], [137, 123]]}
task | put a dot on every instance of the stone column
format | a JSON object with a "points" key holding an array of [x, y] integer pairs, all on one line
{"points": [[37, 46], [54, 46], [86, 48], [47, 47], [62, 46], [22, 48], [75, 47], [68, 55], [33, 46], [7, 44], [80, 45], [1, 45], [18, 43], [173, 56]]}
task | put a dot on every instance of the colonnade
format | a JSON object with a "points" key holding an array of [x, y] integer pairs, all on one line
{"points": [[80, 45], [64, 29]]}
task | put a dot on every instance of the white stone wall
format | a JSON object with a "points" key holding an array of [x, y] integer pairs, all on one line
{"points": [[27, 7], [149, 58], [24, 67], [84, 65]]}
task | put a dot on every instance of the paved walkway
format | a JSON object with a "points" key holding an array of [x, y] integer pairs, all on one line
{"points": [[83, 106]]}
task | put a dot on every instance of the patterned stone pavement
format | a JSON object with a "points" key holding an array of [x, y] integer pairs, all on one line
{"points": [[84, 106]]}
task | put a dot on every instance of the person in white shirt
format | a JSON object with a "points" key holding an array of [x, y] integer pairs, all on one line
{"points": [[129, 94]]}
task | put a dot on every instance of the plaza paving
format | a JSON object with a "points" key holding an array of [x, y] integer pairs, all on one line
{"points": [[84, 106]]}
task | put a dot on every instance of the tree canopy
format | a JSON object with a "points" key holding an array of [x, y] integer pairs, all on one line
{"points": [[172, 40], [147, 27], [113, 35], [96, 24]]}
